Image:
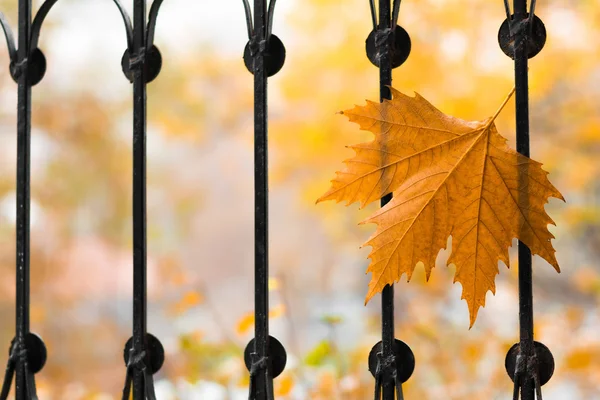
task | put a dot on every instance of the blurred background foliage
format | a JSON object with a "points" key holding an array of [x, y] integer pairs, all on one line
{"points": [[200, 211]]}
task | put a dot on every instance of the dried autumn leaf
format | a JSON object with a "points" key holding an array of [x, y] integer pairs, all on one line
{"points": [[449, 177]]}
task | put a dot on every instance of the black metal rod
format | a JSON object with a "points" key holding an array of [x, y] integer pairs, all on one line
{"points": [[127, 23], [270, 18], [522, 126], [531, 11], [139, 195], [248, 14], [23, 191], [152, 17], [531, 16], [373, 13], [395, 13], [385, 60], [38, 21], [387, 295], [10, 40], [264, 384], [507, 11]]}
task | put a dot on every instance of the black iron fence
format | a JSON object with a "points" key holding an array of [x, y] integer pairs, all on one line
{"points": [[522, 35]]}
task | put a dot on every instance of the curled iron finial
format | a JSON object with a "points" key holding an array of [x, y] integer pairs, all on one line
{"points": [[263, 43], [270, 17], [248, 13], [507, 10], [152, 23], [10, 39], [530, 20], [531, 16], [127, 22], [36, 25], [373, 14], [148, 58], [395, 14], [33, 65]]}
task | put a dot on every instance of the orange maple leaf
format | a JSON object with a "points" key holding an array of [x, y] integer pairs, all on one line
{"points": [[449, 177]]}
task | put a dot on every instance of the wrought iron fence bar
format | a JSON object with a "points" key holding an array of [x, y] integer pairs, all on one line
{"points": [[139, 194], [23, 192], [264, 55], [264, 383], [387, 295], [141, 64], [391, 361], [524, 254], [528, 363]]}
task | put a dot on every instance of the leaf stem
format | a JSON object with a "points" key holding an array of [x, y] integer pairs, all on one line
{"points": [[512, 91]]}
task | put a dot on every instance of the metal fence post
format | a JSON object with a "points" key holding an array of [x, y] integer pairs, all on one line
{"points": [[391, 361], [528, 363], [264, 55], [141, 64]]}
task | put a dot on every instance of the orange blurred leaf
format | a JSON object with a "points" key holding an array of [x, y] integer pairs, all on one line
{"points": [[246, 322], [581, 358], [284, 385], [189, 300], [274, 284]]}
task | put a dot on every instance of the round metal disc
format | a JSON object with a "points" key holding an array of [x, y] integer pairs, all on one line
{"points": [[545, 361], [405, 360], [274, 57], [535, 44], [277, 356], [37, 354], [155, 355], [402, 46], [36, 68], [152, 65]]}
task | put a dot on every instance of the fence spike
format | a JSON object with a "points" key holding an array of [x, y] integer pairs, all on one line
{"points": [[522, 36]]}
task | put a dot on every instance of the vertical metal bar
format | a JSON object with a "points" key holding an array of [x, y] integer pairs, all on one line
{"points": [[387, 295], [23, 191], [522, 117], [385, 60], [139, 195], [264, 385]]}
